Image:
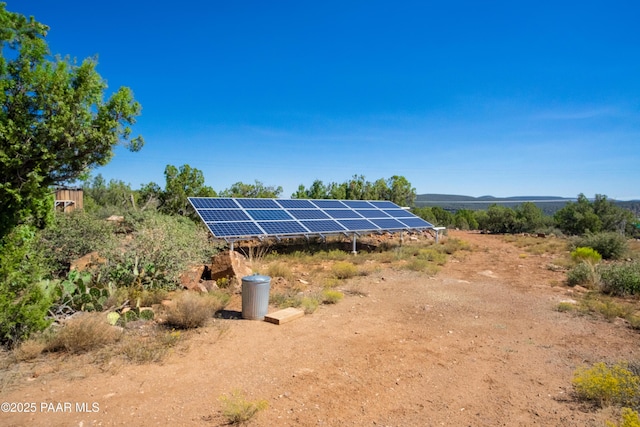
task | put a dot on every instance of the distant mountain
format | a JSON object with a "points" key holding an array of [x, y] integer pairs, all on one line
{"points": [[548, 204]]}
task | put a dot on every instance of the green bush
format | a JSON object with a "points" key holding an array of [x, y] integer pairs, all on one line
{"points": [[344, 270], [238, 410], [589, 255], [24, 297], [162, 247], [610, 245], [630, 418], [621, 279], [73, 235], [583, 274], [330, 296], [607, 385]]}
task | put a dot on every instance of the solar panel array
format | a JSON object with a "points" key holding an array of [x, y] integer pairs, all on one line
{"points": [[240, 218]]}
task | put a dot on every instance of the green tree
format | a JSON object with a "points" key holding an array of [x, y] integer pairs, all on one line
{"points": [[54, 123], [578, 217], [257, 190], [500, 219], [182, 183], [529, 218], [464, 219], [400, 191]]}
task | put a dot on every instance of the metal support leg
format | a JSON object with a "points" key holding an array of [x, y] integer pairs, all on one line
{"points": [[353, 250]]}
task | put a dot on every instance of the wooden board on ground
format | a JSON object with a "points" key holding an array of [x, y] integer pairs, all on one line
{"points": [[284, 316]]}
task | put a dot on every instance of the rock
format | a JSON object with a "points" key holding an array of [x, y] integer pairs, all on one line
{"points": [[115, 218], [190, 278], [229, 265], [87, 262], [209, 285]]}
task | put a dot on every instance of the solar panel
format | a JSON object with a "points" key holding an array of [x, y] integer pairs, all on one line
{"points": [[268, 214], [282, 227], [296, 204], [308, 214], [342, 213], [323, 226], [324, 204], [243, 218], [214, 215], [358, 204], [358, 224], [213, 203], [258, 203], [372, 213]]}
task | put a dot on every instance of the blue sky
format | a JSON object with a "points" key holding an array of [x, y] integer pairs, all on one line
{"points": [[500, 98]]}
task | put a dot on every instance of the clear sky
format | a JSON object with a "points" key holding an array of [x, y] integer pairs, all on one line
{"points": [[502, 98]]}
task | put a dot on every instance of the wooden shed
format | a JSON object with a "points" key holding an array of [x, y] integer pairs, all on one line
{"points": [[68, 199]]}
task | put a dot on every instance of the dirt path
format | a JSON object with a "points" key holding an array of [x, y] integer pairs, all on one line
{"points": [[480, 344]]}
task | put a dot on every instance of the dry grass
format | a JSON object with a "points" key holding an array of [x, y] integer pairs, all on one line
{"points": [[238, 410], [82, 334], [190, 310], [151, 349]]}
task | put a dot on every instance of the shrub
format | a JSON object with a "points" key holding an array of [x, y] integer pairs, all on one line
{"points": [[24, 298], [83, 333], [238, 410], [610, 245], [621, 279], [190, 310], [344, 270], [161, 248], [279, 269], [583, 274], [433, 255], [73, 235], [310, 304], [331, 297], [152, 349], [630, 418], [589, 255], [607, 385]]}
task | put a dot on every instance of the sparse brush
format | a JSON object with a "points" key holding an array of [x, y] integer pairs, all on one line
{"points": [[585, 254], [344, 270], [433, 255], [83, 333], [29, 349], [190, 310], [630, 418], [279, 269], [607, 385], [583, 274], [310, 303], [450, 246], [330, 296], [151, 349], [565, 306], [422, 265], [238, 410]]}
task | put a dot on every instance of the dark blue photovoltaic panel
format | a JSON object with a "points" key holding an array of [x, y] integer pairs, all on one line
{"points": [[214, 215], [357, 204], [399, 213], [234, 229], [296, 204], [416, 222], [357, 224], [383, 204], [212, 203], [241, 218], [268, 214], [372, 213], [258, 203], [388, 224], [308, 214], [282, 227], [328, 204], [323, 226], [342, 213]]}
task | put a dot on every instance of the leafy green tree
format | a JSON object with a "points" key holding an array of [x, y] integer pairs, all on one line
{"points": [[337, 191], [356, 188], [613, 217], [500, 219], [529, 218], [427, 214], [317, 190], [464, 219], [54, 123], [443, 218], [578, 217], [400, 191], [116, 196], [257, 190], [182, 183]]}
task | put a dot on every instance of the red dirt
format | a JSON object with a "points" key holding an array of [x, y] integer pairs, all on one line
{"points": [[479, 344]]}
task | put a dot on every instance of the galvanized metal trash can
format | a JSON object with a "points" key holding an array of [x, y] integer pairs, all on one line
{"points": [[255, 296]]}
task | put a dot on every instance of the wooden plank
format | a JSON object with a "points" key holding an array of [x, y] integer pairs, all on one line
{"points": [[284, 316]]}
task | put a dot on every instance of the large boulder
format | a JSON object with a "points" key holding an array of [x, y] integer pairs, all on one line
{"points": [[230, 265], [192, 276]]}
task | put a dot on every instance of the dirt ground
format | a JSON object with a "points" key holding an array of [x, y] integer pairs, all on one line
{"points": [[479, 344]]}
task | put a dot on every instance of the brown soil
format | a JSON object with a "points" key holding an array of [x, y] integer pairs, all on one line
{"points": [[479, 344]]}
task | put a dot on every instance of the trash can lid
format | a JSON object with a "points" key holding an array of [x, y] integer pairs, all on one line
{"points": [[256, 278]]}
